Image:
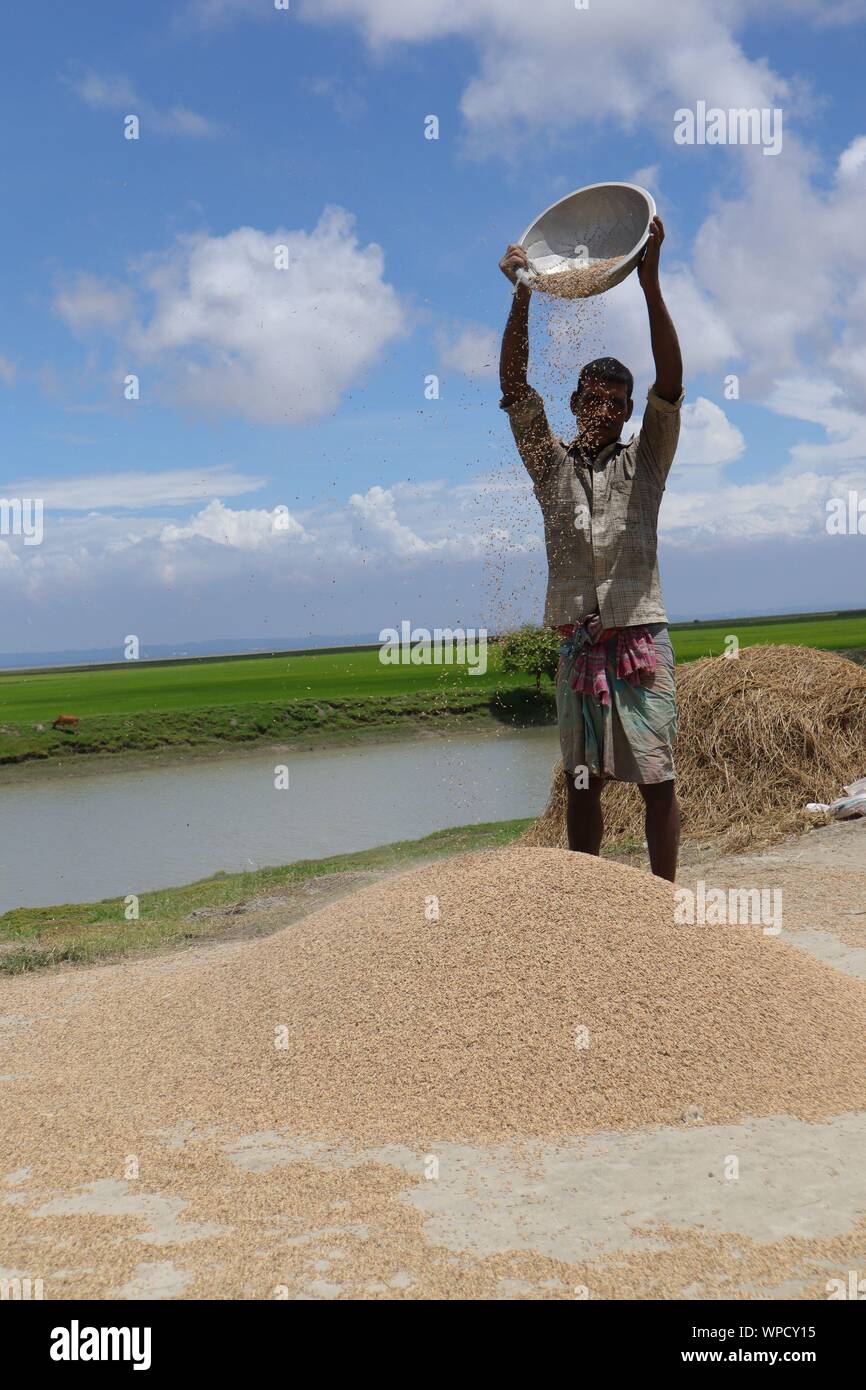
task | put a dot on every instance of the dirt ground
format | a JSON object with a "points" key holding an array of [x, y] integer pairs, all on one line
{"points": [[769, 1207]]}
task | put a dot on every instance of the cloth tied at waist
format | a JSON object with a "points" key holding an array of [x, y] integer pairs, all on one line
{"points": [[584, 648]]}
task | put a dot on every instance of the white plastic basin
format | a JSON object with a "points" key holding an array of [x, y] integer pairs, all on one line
{"points": [[608, 219]]}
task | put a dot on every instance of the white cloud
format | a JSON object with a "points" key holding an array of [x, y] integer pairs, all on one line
{"points": [[852, 159], [180, 120], [101, 92], [790, 506], [346, 99], [377, 511], [703, 507], [784, 264], [474, 351], [228, 333], [822, 403], [113, 92], [647, 176], [132, 489], [472, 549], [241, 530], [8, 371], [88, 303], [708, 438], [529, 57], [8, 558]]}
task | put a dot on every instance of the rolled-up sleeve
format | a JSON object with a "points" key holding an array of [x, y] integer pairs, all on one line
{"points": [[659, 435], [533, 436]]}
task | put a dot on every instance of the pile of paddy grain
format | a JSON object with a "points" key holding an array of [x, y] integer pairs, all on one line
{"points": [[760, 735], [578, 281], [523, 992]]}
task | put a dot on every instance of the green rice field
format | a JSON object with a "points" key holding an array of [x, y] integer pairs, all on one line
{"points": [[192, 703], [184, 685]]}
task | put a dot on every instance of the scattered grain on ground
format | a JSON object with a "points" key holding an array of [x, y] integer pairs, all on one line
{"points": [[132, 1092]]}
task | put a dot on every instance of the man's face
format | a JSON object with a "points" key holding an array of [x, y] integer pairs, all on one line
{"points": [[601, 408]]}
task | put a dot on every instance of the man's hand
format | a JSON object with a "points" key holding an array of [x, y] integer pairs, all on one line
{"points": [[648, 268], [514, 259]]}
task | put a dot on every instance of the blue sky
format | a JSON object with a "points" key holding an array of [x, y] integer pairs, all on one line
{"points": [[306, 128]]}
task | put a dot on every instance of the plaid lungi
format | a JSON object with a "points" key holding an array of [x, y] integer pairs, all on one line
{"points": [[630, 739]]}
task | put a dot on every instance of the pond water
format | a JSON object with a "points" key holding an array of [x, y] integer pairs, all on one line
{"points": [[92, 835]]}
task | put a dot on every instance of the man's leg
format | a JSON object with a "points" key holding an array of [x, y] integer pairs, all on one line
{"points": [[583, 817], [662, 827]]}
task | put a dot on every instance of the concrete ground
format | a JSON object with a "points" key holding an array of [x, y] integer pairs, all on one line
{"points": [[769, 1207]]}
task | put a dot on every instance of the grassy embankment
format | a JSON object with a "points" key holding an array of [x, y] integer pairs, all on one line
{"points": [[81, 933], [313, 696], [137, 708]]}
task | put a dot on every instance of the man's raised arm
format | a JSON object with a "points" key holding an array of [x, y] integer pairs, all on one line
{"points": [[532, 433], [660, 430], [514, 357], [665, 344]]}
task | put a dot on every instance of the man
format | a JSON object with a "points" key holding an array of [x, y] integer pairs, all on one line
{"points": [[600, 498]]}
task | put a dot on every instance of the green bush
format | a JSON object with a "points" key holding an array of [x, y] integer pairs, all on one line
{"points": [[531, 651]]}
